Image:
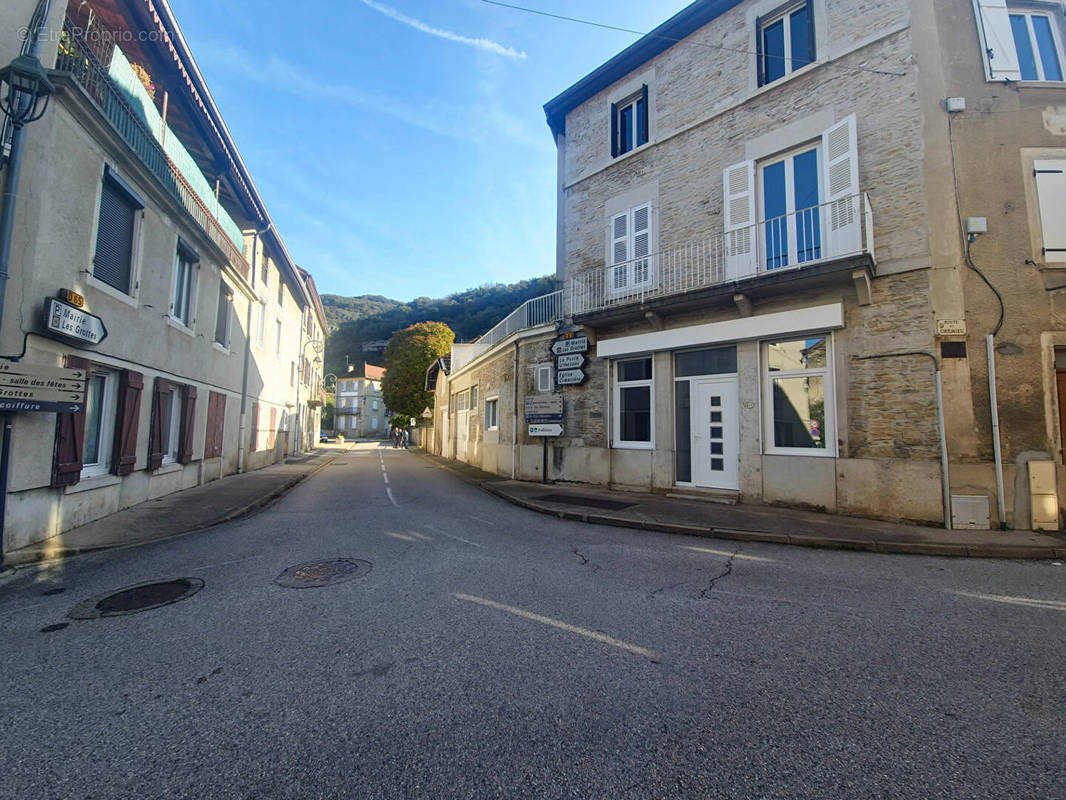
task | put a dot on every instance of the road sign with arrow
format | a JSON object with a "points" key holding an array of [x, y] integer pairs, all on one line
{"points": [[38, 388]]}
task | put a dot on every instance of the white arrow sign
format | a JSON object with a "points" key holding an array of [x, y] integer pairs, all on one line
{"points": [[545, 430], [579, 344], [569, 377], [570, 361]]}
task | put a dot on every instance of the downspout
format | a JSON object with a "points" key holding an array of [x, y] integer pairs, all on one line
{"points": [[998, 453], [514, 418], [945, 482], [242, 429]]}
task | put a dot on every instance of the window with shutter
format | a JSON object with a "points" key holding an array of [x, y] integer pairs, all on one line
{"points": [[70, 437], [631, 249], [739, 211], [216, 419], [115, 233], [1050, 177], [223, 314], [100, 412], [188, 424], [784, 41], [1022, 41], [124, 457], [186, 262], [629, 123]]}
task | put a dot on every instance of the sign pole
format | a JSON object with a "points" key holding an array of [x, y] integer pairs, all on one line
{"points": [[544, 469], [5, 463]]}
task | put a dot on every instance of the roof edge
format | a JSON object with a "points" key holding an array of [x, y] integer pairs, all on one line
{"points": [[665, 36]]}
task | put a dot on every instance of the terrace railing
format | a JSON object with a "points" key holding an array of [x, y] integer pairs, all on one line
{"points": [[538, 311]]}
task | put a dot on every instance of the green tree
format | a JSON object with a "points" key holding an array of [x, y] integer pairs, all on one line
{"points": [[408, 356]]}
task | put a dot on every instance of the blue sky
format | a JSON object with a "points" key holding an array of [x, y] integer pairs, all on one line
{"points": [[400, 145]]}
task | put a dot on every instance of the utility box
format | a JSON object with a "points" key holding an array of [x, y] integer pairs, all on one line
{"points": [[969, 512], [1043, 495]]}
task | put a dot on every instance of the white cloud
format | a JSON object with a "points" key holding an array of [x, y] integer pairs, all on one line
{"points": [[486, 45]]}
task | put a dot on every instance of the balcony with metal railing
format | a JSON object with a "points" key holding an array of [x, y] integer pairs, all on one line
{"points": [[805, 246], [533, 313], [78, 60]]}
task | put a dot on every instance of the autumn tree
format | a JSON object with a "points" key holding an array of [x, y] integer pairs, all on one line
{"points": [[407, 357]]}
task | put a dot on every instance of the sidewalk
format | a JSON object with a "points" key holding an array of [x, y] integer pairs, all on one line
{"points": [[755, 523], [182, 512]]}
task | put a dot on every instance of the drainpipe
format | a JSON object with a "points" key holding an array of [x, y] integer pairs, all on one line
{"points": [[998, 453], [945, 482], [243, 426], [514, 418]]}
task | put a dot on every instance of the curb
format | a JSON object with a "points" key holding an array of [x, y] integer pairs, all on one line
{"points": [[39, 556], [888, 547]]}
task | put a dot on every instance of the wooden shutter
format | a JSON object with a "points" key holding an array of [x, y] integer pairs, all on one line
{"points": [[127, 422], [114, 238], [997, 38], [70, 437], [760, 56], [614, 130], [738, 208], [641, 218], [272, 434], [1050, 178], [188, 422], [811, 40], [160, 419], [216, 419], [619, 234], [841, 159]]}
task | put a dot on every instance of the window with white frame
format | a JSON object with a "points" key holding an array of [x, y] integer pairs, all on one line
{"points": [[784, 40], [117, 233], [629, 123], [799, 396], [544, 378], [1050, 178], [473, 398], [277, 338], [261, 322], [374, 406], [492, 409], [101, 402], [634, 403], [1022, 41], [630, 249], [186, 263], [224, 314], [171, 414]]}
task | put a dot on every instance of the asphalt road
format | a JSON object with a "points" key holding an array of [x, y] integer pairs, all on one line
{"points": [[494, 652]]}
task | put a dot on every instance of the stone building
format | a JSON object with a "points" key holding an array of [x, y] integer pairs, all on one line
{"points": [[360, 411], [134, 206], [774, 230]]}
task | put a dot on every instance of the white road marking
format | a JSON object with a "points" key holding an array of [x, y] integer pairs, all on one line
{"points": [[1031, 602], [479, 519], [224, 563], [403, 536], [393, 499], [555, 623], [385, 475], [453, 536], [727, 554]]}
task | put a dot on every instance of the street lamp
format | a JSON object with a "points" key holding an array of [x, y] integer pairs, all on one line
{"points": [[317, 347], [27, 85]]}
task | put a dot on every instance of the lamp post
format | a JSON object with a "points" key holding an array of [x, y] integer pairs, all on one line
{"points": [[317, 347], [24, 94]]}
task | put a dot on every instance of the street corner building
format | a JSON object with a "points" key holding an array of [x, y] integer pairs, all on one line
{"points": [[157, 334], [808, 253], [360, 411]]}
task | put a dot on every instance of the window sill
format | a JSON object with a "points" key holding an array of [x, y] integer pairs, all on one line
{"points": [[91, 482], [766, 87], [799, 451], [630, 153], [221, 348], [93, 282], [177, 324], [168, 468], [633, 446], [1036, 85]]}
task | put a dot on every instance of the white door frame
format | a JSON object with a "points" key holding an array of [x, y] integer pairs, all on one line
{"points": [[701, 390]]}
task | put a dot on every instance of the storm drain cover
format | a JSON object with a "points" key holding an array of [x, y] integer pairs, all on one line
{"points": [[314, 574], [590, 502], [132, 599]]}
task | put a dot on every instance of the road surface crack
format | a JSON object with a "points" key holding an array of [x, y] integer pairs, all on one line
{"points": [[585, 560], [725, 573], [661, 589]]}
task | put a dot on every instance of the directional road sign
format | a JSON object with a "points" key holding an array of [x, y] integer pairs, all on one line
{"points": [[570, 377], [30, 387], [33, 405], [579, 344], [545, 430], [570, 361], [37, 370], [543, 418], [72, 322]]}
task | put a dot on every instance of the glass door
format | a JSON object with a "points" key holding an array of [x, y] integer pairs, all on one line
{"points": [[792, 227]]}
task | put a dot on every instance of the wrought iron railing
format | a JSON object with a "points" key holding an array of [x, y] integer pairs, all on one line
{"points": [[538, 311], [834, 230], [77, 59]]}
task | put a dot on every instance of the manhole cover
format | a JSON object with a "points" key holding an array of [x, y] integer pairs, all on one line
{"points": [[590, 502], [132, 599], [322, 573]]}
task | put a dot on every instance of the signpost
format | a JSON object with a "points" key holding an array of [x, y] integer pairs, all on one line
{"points": [[544, 416], [546, 430], [29, 387], [570, 361], [570, 377], [71, 322], [579, 344]]}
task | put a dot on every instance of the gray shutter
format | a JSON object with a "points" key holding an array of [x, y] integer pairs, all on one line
{"points": [[114, 238], [1001, 58]]}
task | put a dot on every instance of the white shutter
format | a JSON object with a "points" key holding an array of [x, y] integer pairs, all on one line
{"points": [[1051, 197], [641, 244], [620, 251], [738, 194], [1000, 57], [841, 219]]}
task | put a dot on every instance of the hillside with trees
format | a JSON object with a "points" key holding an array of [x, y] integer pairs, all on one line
{"points": [[359, 326]]}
